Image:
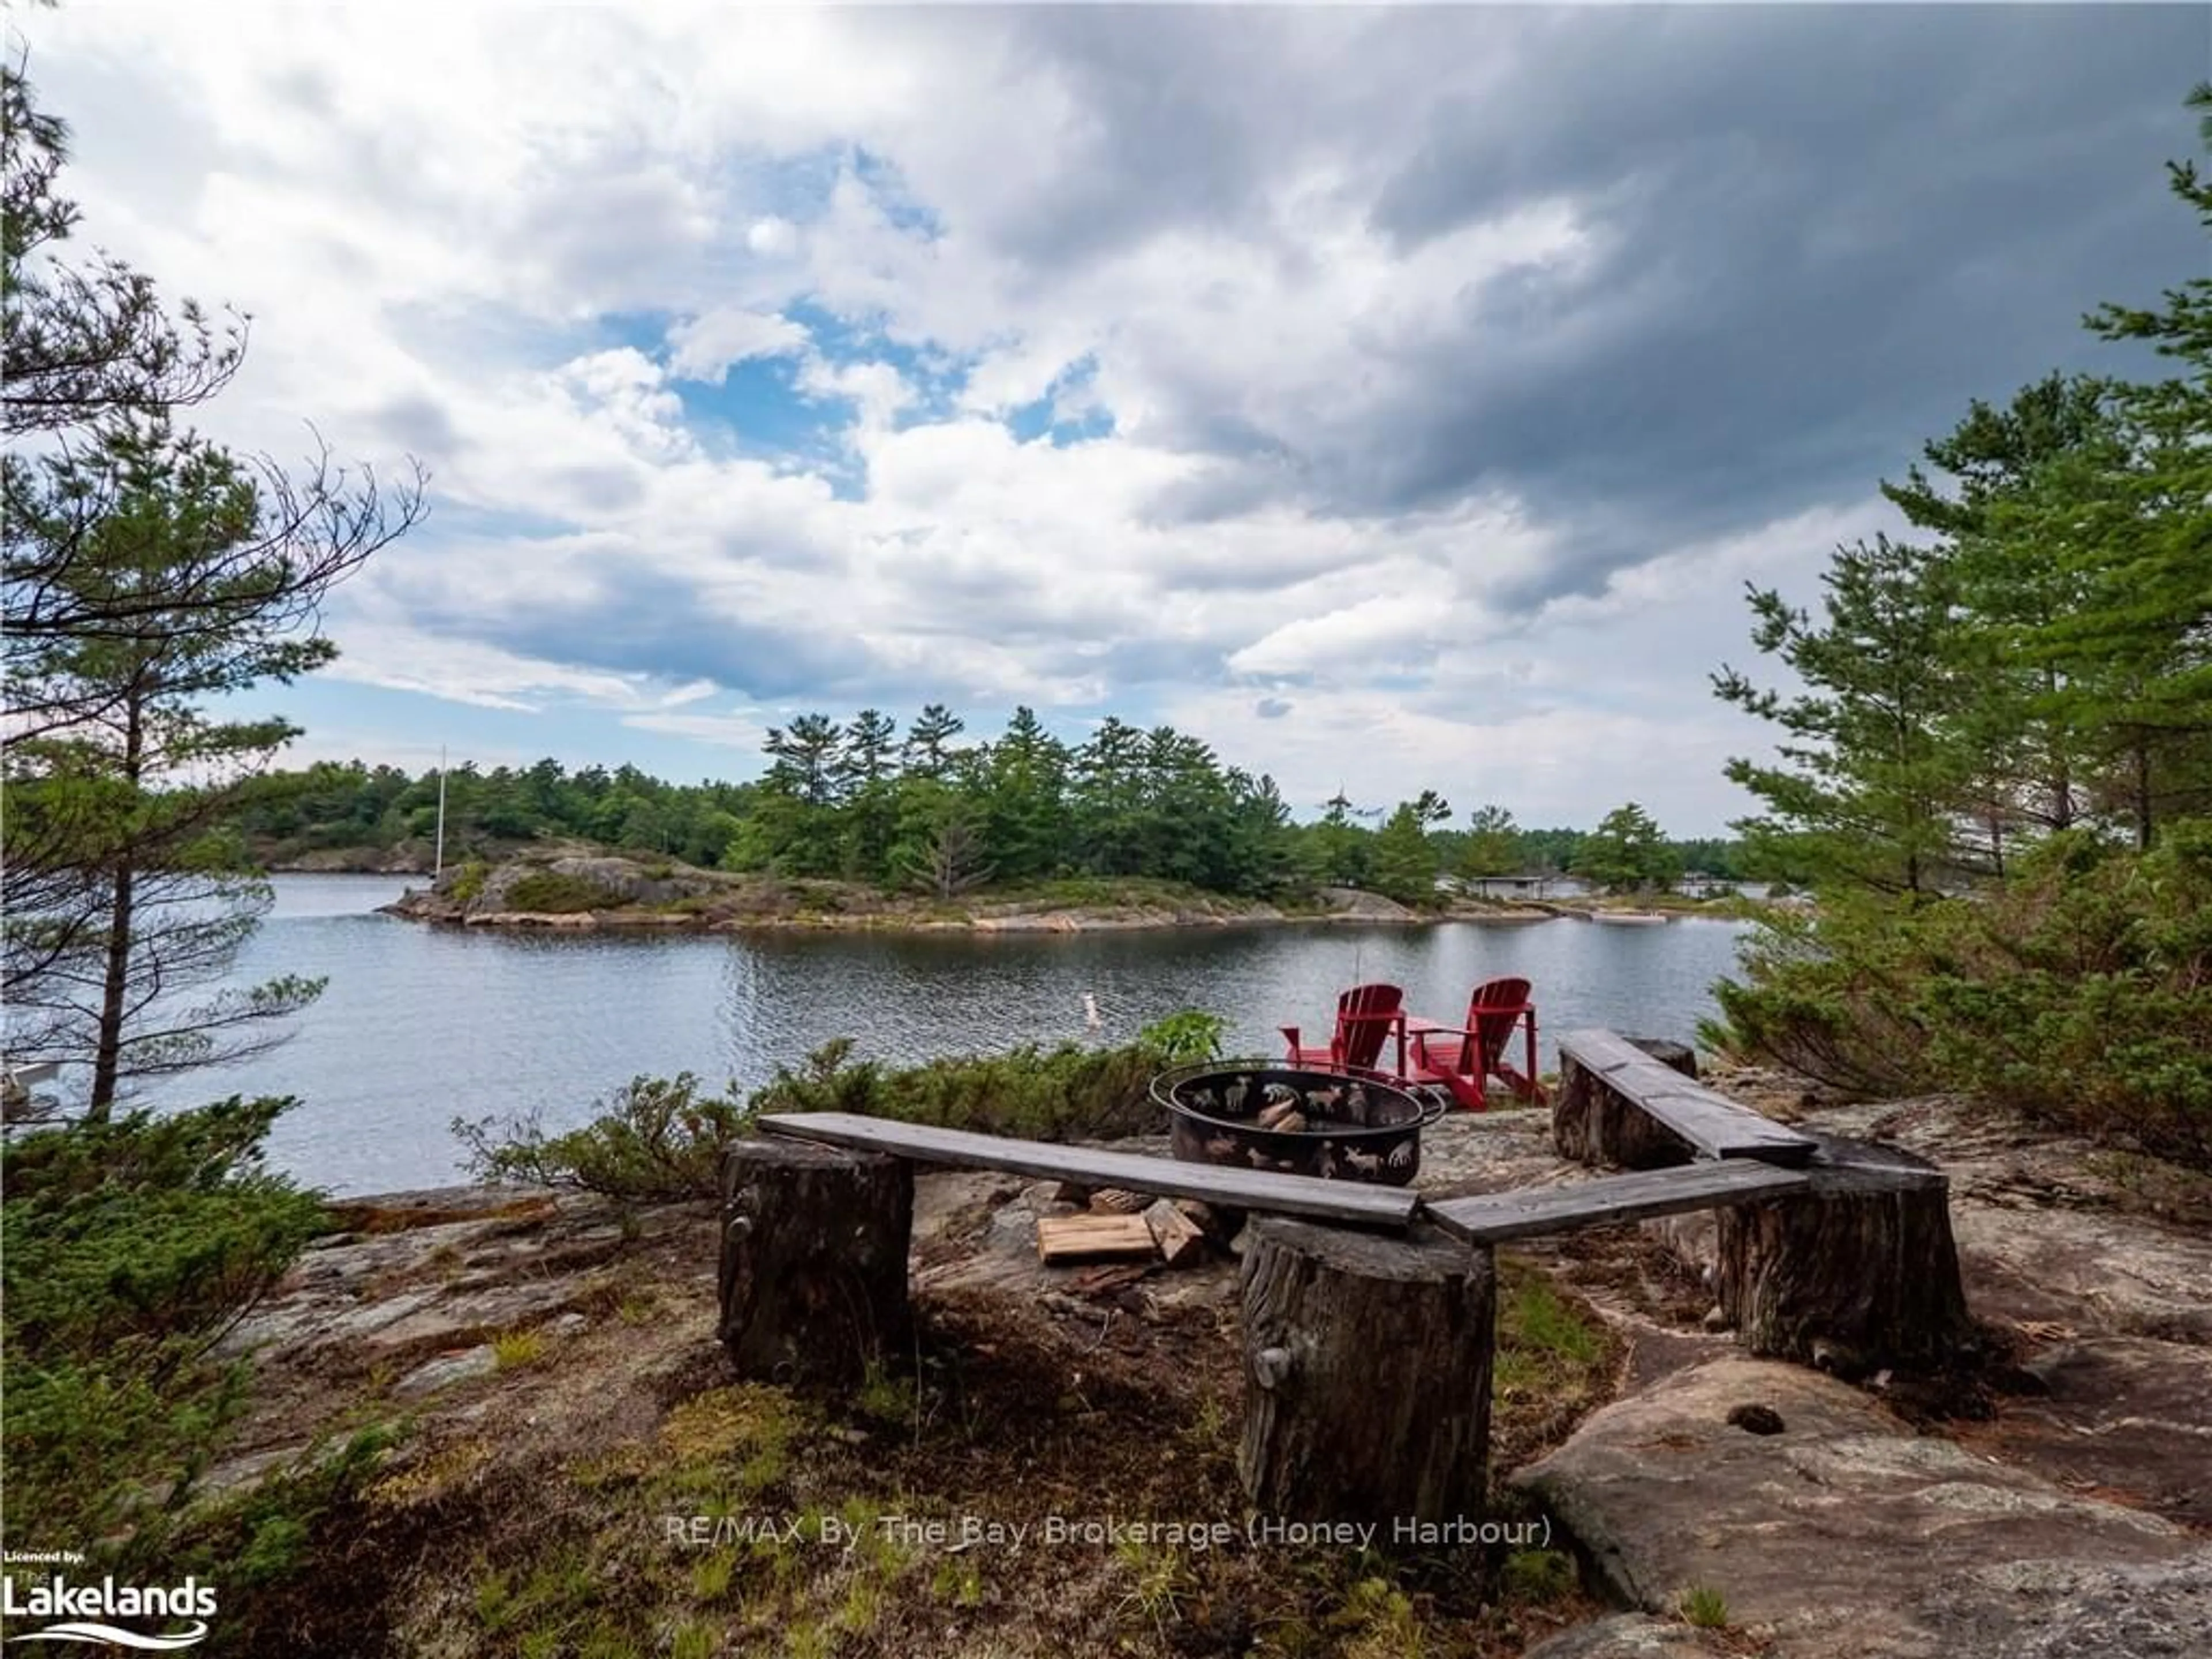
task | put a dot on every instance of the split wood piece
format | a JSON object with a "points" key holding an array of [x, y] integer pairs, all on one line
{"points": [[1220, 1226], [1858, 1270], [813, 1271], [1618, 1104], [1366, 1373], [1108, 1279], [1087, 1237], [1534, 1211], [1181, 1242], [1250, 1189]]}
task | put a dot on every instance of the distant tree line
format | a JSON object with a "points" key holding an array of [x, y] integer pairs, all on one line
{"points": [[863, 801]]}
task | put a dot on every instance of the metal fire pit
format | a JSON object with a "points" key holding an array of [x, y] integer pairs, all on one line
{"points": [[1350, 1126]]}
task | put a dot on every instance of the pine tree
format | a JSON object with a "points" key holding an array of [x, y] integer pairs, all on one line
{"points": [[928, 752], [1023, 782], [2018, 697], [1873, 769], [871, 769], [1405, 859], [1626, 852], [127, 889], [1493, 843]]}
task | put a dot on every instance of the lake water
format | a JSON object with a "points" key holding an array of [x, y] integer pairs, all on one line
{"points": [[421, 1024]]}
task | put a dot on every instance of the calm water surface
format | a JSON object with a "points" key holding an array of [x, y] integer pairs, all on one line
{"points": [[420, 1024]]}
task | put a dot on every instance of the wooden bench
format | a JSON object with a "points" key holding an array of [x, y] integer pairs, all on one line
{"points": [[1497, 1218], [1348, 1203], [1708, 1123], [817, 1216], [1824, 1244], [1822, 1241]]}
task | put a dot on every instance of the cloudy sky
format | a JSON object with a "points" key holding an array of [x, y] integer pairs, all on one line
{"points": [[1392, 398]]}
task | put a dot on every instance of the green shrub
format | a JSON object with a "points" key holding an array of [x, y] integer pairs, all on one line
{"points": [[1539, 1576], [2078, 991], [549, 892], [2081, 993], [1186, 1037], [468, 882], [127, 1249], [146, 1229], [1062, 1093], [657, 1139], [1829, 994]]}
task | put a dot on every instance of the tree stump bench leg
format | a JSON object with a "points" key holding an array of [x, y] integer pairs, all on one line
{"points": [[813, 1280], [1366, 1373], [1859, 1271], [1593, 1124]]}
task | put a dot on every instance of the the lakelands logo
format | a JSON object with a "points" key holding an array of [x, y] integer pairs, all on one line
{"points": [[82, 1612]]}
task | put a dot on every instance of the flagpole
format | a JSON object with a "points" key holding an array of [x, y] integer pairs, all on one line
{"points": [[439, 868]]}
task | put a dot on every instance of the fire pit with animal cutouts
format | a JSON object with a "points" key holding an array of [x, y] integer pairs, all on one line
{"points": [[1263, 1115]]}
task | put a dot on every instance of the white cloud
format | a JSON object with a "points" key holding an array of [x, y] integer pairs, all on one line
{"points": [[724, 731], [877, 390], [400, 658], [1372, 633], [504, 239], [697, 691], [772, 238], [706, 348]]}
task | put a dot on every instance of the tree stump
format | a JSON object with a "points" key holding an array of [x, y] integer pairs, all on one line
{"points": [[1858, 1273], [1668, 1052], [814, 1262], [1592, 1124], [1366, 1373]]}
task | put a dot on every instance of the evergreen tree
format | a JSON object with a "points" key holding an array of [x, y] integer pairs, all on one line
{"points": [[940, 845], [2019, 698], [1626, 852], [93, 361], [2139, 529], [928, 752], [870, 768], [1023, 781], [1404, 863], [1493, 844], [1109, 794], [126, 891], [1340, 849], [83, 341], [1872, 772]]}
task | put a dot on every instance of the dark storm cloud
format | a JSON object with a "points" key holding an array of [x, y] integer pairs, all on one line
{"points": [[1828, 231], [1170, 140], [1819, 232]]}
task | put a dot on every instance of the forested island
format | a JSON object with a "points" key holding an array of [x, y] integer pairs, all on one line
{"points": [[923, 813]]}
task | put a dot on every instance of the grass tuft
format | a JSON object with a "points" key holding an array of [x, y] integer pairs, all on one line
{"points": [[1705, 1608]]}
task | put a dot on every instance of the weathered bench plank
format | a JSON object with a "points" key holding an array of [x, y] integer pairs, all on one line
{"points": [[1496, 1217], [1242, 1189], [1709, 1121]]}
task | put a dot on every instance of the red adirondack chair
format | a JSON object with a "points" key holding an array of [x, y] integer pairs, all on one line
{"points": [[1463, 1059], [1367, 1016]]}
